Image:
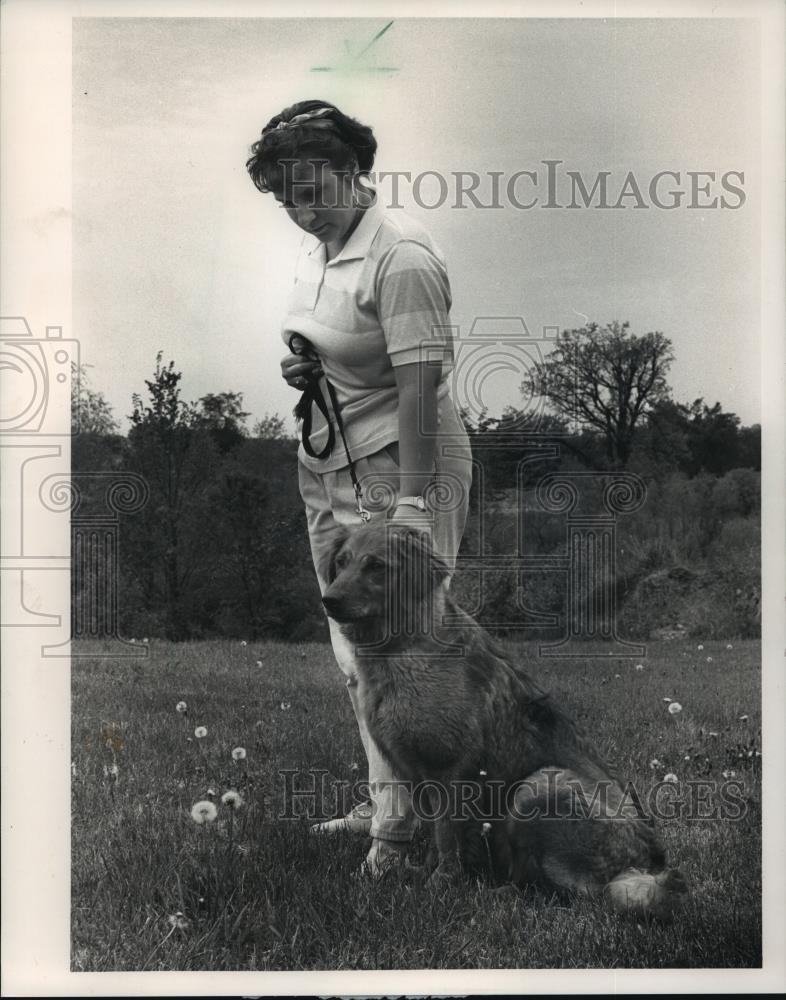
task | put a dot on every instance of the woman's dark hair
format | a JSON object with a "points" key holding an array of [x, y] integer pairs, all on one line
{"points": [[340, 142]]}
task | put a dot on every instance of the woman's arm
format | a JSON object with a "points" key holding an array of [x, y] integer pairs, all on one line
{"points": [[417, 425]]}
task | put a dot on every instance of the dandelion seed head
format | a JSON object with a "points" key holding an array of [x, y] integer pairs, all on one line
{"points": [[485, 829], [654, 763], [210, 791], [179, 921], [243, 642], [259, 663], [285, 706], [743, 718], [729, 646], [181, 707], [671, 778], [232, 799], [674, 708], [709, 659], [714, 735], [203, 812], [700, 647], [729, 774], [200, 732], [483, 774], [145, 640], [639, 666], [239, 753], [667, 699]]}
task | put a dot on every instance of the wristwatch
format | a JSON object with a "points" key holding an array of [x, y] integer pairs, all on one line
{"points": [[418, 502]]}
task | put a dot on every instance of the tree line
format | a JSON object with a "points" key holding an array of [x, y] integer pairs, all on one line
{"points": [[221, 547]]}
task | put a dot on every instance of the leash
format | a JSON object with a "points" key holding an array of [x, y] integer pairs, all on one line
{"points": [[303, 411]]}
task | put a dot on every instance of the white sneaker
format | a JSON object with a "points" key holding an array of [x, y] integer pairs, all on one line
{"points": [[358, 821], [383, 858]]}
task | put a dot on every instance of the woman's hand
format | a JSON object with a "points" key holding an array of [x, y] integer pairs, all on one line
{"points": [[410, 516], [295, 368]]}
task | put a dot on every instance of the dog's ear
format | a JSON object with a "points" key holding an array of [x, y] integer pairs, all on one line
{"points": [[326, 563]]}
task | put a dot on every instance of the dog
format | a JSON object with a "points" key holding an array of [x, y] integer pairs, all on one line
{"points": [[510, 781]]}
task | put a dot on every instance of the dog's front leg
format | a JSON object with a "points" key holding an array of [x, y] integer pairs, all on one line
{"points": [[445, 838]]}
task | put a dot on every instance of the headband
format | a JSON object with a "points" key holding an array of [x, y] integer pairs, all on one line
{"points": [[307, 116]]}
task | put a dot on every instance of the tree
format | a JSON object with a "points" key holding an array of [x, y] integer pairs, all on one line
{"points": [[271, 428], [697, 437], [90, 412], [168, 445], [606, 379], [223, 416]]}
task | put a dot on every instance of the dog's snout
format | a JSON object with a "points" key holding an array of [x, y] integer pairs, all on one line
{"points": [[330, 603]]}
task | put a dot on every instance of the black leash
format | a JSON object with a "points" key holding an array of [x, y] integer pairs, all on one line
{"points": [[311, 395]]}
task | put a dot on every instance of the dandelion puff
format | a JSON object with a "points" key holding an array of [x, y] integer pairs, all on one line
{"points": [[259, 663], [243, 642], [654, 763], [714, 735], [181, 707], [743, 718], [200, 732], [285, 706], [132, 640], [686, 757], [709, 659], [232, 799], [729, 646], [639, 666], [203, 812], [700, 647], [178, 921], [671, 778], [211, 792], [145, 640], [485, 830], [674, 708], [483, 774], [617, 676], [354, 766], [729, 774], [667, 699], [239, 753]]}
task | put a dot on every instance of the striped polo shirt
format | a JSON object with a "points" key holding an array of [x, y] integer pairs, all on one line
{"points": [[383, 301]]}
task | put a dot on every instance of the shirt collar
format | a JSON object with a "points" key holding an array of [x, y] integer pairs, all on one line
{"points": [[359, 243]]}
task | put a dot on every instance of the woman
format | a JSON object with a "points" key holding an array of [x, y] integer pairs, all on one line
{"points": [[371, 302]]}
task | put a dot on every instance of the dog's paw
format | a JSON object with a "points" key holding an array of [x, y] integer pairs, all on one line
{"points": [[444, 876]]}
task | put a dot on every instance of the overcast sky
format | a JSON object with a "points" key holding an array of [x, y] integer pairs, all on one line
{"points": [[174, 249]]}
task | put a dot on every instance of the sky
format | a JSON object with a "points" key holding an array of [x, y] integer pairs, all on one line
{"points": [[175, 250]]}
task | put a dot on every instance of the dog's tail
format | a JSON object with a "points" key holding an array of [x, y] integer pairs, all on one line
{"points": [[642, 894]]}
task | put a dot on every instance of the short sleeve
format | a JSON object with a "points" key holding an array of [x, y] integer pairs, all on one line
{"points": [[413, 304]]}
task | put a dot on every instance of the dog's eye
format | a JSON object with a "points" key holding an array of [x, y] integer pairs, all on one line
{"points": [[342, 559], [371, 562]]}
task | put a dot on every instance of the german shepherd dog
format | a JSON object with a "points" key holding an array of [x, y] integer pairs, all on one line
{"points": [[512, 784]]}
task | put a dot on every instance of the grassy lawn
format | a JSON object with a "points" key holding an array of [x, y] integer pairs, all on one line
{"points": [[256, 891]]}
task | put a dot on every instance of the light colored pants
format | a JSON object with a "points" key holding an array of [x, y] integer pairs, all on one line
{"points": [[330, 501]]}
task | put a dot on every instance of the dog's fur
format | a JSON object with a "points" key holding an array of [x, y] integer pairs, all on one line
{"points": [[477, 717]]}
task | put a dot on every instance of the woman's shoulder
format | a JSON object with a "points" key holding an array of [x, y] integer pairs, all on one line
{"points": [[407, 236]]}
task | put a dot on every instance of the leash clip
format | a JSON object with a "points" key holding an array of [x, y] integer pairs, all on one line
{"points": [[365, 516]]}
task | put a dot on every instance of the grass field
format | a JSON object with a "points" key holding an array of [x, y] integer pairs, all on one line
{"points": [[258, 892]]}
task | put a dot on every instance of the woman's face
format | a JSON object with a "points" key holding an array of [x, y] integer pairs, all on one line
{"points": [[318, 198]]}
